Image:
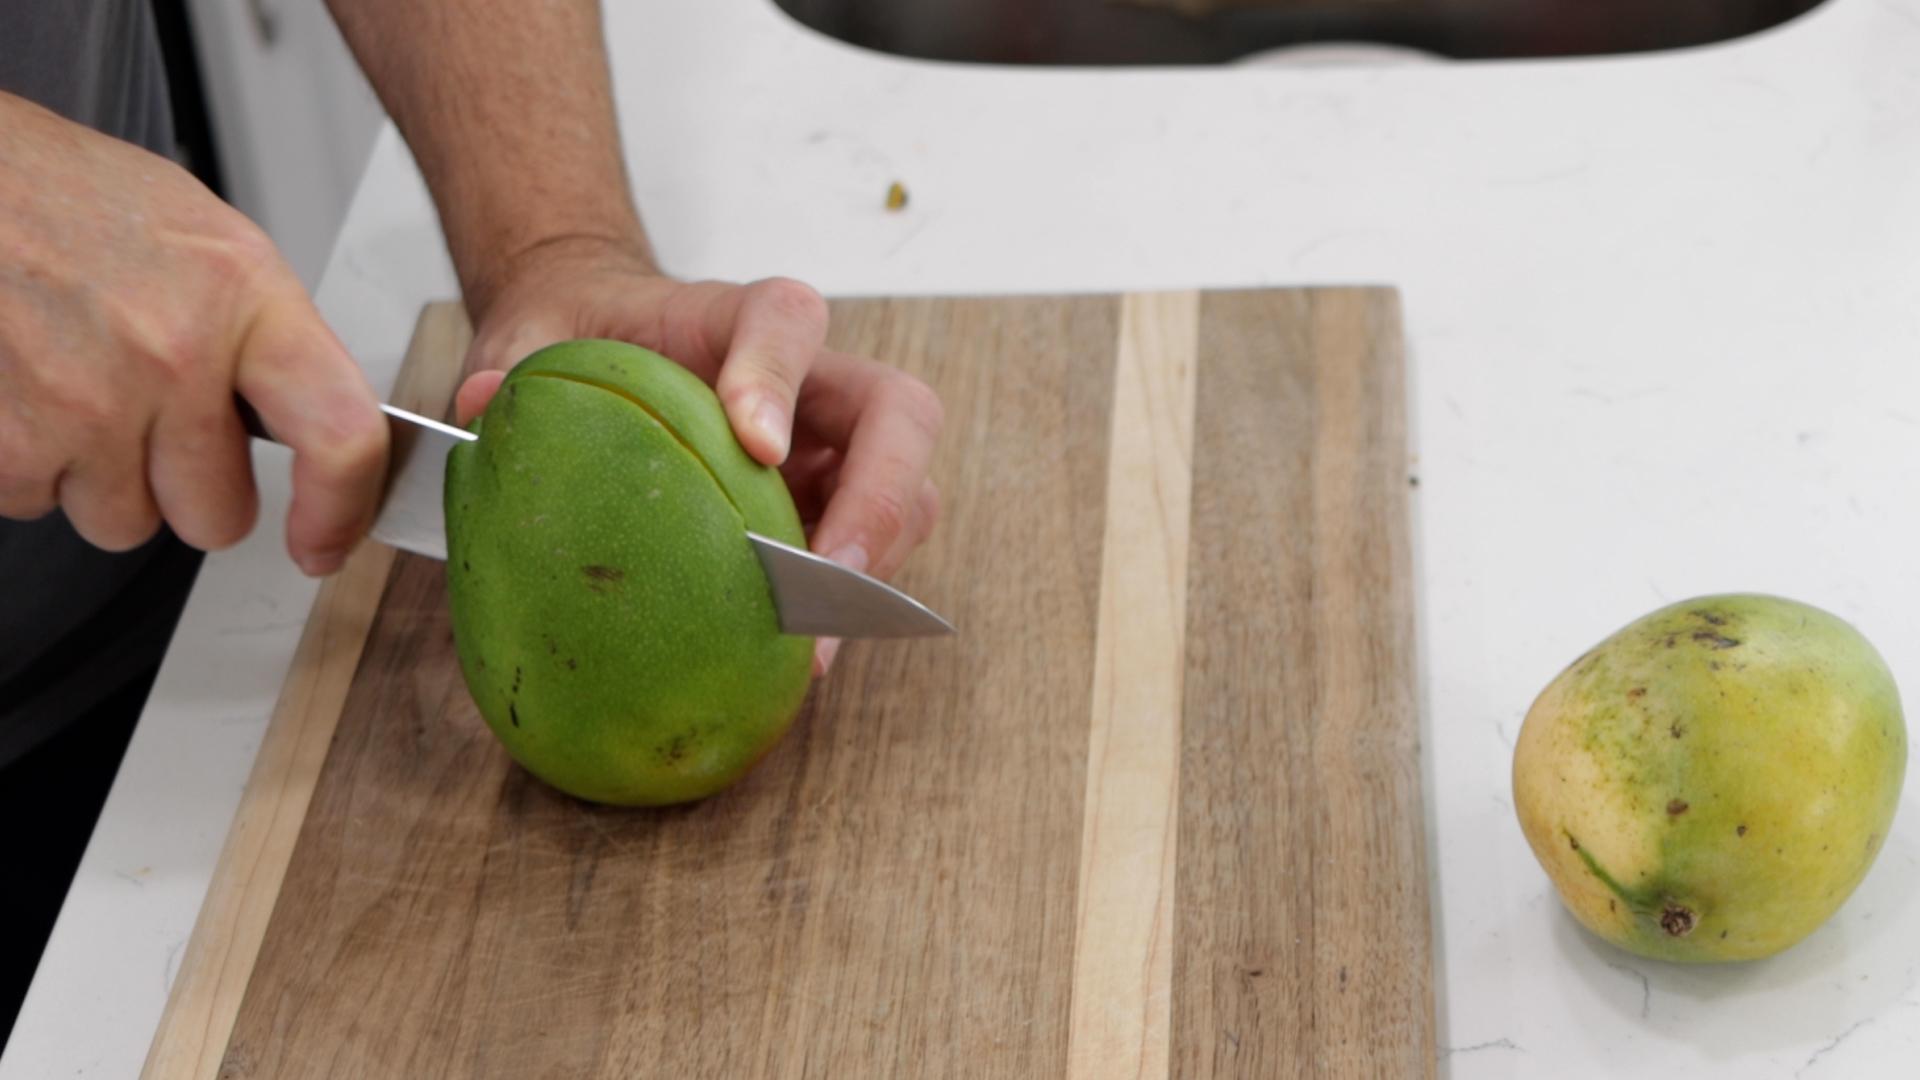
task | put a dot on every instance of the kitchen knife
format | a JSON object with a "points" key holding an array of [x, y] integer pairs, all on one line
{"points": [[814, 596]]}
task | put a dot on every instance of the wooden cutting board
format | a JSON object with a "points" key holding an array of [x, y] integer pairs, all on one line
{"points": [[1156, 812]]}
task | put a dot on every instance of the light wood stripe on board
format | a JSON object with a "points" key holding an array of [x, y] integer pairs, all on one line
{"points": [[1123, 932]]}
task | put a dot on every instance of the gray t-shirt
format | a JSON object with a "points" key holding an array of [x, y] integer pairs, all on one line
{"points": [[95, 62], [78, 624]]}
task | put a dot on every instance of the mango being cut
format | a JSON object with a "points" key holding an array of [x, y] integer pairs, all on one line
{"points": [[613, 624], [1711, 782]]}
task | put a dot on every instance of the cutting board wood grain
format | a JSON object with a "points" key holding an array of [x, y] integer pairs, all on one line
{"points": [[1155, 812]]}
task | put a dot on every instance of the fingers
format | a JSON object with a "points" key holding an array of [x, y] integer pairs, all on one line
{"points": [[809, 473], [824, 650], [874, 431], [883, 504], [472, 398], [779, 328], [927, 511], [315, 399], [106, 499], [28, 480], [201, 475]]}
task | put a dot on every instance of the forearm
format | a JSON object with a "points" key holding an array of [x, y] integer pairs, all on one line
{"points": [[509, 111]]}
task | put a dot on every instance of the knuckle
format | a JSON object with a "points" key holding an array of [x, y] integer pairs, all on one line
{"points": [[243, 248], [140, 528], [84, 408], [160, 349], [917, 402], [500, 346], [313, 531], [25, 493], [26, 485], [24, 507], [341, 447], [743, 384], [219, 530], [356, 441], [885, 514], [793, 300], [17, 451], [122, 525], [929, 510]]}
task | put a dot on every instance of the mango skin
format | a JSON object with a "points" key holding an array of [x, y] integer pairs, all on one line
{"points": [[612, 622], [1711, 782]]}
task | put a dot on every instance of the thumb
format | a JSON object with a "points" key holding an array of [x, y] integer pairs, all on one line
{"points": [[502, 342], [315, 399], [472, 398], [499, 344]]}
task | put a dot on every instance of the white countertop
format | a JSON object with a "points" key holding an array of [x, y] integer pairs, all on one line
{"points": [[1663, 318]]}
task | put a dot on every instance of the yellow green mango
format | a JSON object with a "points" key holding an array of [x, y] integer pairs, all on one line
{"points": [[612, 621], [1711, 782]]}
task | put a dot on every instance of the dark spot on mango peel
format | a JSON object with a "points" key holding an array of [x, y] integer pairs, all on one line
{"points": [[513, 714], [505, 612], [1637, 693], [1676, 807], [1676, 920], [1741, 831], [675, 750], [1572, 843], [1677, 730], [601, 578], [1711, 618], [1713, 640]]}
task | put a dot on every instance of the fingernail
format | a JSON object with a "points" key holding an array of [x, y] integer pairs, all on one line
{"points": [[852, 556], [771, 418], [824, 651]]}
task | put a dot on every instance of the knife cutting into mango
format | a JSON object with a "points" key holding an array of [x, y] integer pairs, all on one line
{"points": [[632, 600]]}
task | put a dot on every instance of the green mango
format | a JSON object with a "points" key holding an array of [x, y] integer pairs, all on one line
{"points": [[612, 621], [1711, 782]]}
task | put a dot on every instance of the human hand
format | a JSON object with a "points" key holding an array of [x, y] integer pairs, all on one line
{"points": [[133, 305], [852, 437]]}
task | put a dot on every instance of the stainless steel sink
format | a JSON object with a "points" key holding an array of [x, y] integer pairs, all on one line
{"points": [[1221, 31]]}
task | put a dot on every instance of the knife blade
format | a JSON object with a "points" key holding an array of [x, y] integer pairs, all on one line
{"points": [[815, 597]]}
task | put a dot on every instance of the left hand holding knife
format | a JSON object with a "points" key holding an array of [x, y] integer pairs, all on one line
{"points": [[133, 304]]}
